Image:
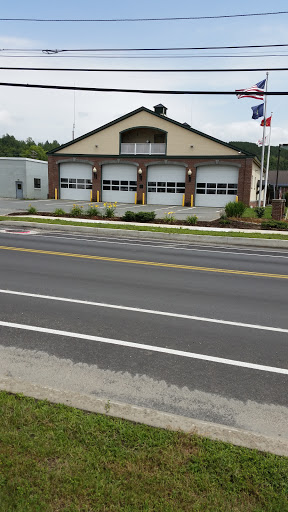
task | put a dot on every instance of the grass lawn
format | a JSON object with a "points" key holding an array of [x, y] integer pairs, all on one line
{"points": [[250, 213], [131, 227], [56, 458]]}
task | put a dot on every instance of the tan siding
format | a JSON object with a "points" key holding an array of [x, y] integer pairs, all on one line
{"points": [[179, 140]]}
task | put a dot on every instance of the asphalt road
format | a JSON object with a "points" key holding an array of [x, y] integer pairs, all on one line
{"points": [[188, 329]]}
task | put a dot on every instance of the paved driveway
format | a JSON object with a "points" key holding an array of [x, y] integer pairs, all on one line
{"points": [[49, 205]]}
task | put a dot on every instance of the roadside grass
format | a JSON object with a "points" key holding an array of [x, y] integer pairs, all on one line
{"points": [[131, 227], [56, 458]]}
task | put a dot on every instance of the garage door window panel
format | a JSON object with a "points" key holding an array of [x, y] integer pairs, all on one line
{"points": [[132, 186]]}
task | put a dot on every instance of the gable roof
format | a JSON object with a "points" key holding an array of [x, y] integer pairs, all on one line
{"points": [[185, 126]]}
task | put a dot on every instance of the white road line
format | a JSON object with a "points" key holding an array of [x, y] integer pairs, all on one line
{"points": [[151, 348], [147, 311], [176, 247]]}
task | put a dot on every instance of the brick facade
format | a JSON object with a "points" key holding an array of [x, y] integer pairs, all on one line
{"points": [[244, 180]]}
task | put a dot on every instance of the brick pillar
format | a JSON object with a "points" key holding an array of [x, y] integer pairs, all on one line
{"points": [[278, 209], [190, 186], [141, 183], [96, 182]]}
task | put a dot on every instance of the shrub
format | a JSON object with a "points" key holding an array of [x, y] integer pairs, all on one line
{"points": [[59, 212], [92, 210], [235, 209], [32, 210], [274, 224], [76, 210], [169, 218], [145, 216], [259, 210], [109, 210], [192, 220], [224, 221], [129, 216]]}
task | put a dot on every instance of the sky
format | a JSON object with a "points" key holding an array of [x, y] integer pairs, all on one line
{"points": [[49, 114]]}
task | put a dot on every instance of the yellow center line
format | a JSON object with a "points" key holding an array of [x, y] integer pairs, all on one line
{"points": [[148, 263]]}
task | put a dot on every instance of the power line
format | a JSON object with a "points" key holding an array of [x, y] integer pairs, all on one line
{"points": [[141, 91], [246, 56], [184, 18], [122, 70], [53, 51]]}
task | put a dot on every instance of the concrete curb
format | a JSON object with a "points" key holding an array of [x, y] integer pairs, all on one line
{"points": [[147, 416], [209, 239]]}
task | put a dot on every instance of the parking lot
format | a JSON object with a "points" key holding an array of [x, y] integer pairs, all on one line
{"points": [[49, 205]]}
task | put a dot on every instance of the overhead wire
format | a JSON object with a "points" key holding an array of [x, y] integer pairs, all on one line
{"points": [[172, 18], [141, 91], [125, 70]]}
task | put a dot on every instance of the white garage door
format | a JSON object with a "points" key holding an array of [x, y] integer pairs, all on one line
{"points": [[119, 183], [75, 181], [216, 185], [165, 184]]}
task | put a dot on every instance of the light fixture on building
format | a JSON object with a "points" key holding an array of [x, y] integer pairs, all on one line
{"points": [[140, 173], [94, 170], [189, 172]]}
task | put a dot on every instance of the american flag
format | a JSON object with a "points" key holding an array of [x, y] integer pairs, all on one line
{"points": [[256, 91]]}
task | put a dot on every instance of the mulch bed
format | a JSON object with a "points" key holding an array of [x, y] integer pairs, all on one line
{"points": [[253, 224]]}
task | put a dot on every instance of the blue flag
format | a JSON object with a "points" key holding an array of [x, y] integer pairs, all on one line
{"points": [[258, 111]]}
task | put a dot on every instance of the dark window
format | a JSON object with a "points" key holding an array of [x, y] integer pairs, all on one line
{"points": [[37, 183], [133, 183], [180, 184], [80, 185], [201, 185], [211, 191], [123, 189], [232, 185], [171, 190], [221, 185], [221, 191], [171, 184], [115, 187], [161, 184], [64, 185], [106, 187], [211, 185], [64, 180], [72, 180], [160, 189], [180, 190], [80, 180], [150, 189], [72, 185], [151, 183], [106, 182], [133, 188], [232, 192], [115, 182], [200, 190], [124, 182]]}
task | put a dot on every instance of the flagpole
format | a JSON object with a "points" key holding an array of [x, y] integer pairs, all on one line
{"points": [[267, 165], [263, 145]]}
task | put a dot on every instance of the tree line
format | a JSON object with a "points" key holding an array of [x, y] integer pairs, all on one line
{"points": [[10, 146], [257, 151]]}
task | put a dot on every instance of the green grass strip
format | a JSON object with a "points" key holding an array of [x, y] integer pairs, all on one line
{"points": [[132, 227], [56, 458]]}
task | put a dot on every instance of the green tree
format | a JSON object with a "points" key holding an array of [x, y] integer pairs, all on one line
{"points": [[33, 151]]}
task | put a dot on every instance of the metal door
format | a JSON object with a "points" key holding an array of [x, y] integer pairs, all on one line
{"points": [[19, 189]]}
